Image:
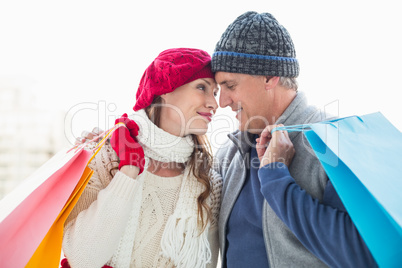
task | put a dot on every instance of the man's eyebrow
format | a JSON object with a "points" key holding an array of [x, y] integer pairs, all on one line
{"points": [[226, 82], [223, 83]]}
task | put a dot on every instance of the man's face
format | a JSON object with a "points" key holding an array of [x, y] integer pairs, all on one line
{"points": [[248, 97]]}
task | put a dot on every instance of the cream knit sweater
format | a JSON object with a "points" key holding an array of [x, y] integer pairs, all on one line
{"points": [[94, 228]]}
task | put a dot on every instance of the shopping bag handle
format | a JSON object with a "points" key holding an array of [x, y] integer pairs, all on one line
{"points": [[103, 141], [298, 128], [100, 144]]}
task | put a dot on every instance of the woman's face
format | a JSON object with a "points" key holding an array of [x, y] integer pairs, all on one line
{"points": [[189, 108]]}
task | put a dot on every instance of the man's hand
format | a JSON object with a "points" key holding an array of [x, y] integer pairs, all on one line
{"points": [[86, 135], [275, 147]]}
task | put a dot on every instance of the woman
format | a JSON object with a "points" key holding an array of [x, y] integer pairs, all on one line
{"points": [[161, 212]]}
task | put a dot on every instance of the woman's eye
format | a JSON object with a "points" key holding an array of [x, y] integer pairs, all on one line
{"points": [[202, 87]]}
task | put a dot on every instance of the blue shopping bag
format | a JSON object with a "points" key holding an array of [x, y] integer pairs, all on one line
{"points": [[362, 156]]}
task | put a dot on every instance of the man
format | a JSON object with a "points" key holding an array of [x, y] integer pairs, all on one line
{"points": [[278, 209]]}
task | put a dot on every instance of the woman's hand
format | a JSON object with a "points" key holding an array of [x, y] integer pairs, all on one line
{"points": [[127, 148]]}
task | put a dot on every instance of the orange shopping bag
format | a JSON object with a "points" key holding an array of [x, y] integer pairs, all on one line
{"points": [[32, 216], [48, 252]]}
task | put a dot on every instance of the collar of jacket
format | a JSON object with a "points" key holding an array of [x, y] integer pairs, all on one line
{"points": [[290, 116], [243, 141]]}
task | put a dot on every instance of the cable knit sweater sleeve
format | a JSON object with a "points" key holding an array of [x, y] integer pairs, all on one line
{"points": [[96, 224], [216, 182]]}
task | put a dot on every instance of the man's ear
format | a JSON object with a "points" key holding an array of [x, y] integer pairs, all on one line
{"points": [[271, 82]]}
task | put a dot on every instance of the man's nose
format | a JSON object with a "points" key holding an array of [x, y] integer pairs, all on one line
{"points": [[224, 99]]}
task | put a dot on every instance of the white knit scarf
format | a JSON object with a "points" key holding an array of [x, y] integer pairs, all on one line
{"points": [[181, 240], [159, 144]]}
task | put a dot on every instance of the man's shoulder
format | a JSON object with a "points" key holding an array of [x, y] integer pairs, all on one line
{"points": [[301, 112]]}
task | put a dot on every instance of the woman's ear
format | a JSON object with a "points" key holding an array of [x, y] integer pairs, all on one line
{"points": [[163, 97], [271, 82]]}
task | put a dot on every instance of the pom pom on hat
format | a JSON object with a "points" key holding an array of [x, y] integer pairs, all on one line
{"points": [[171, 69]]}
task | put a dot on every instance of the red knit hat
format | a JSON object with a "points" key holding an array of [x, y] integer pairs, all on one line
{"points": [[171, 69]]}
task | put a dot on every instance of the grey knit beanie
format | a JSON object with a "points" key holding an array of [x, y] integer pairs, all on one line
{"points": [[256, 44]]}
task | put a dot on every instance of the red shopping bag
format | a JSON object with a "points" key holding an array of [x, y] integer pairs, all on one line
{"points": [[48, 252], [32, 216]]}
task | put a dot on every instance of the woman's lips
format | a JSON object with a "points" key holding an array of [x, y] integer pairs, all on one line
{"points": [[208, 116]]}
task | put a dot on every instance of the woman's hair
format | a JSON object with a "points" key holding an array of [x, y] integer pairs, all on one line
{"points": [[200, 161]]}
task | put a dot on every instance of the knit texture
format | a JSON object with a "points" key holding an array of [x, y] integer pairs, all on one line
{"points": [[182, 240], [159, 144], [105, 165], [104, 230], [170, 70], [159, 200], [256, 44], [125, 144]]}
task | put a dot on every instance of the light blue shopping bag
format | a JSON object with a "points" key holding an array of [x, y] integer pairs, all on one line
{"points": [[362, 156]]}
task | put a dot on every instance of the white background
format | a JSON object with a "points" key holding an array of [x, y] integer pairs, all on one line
{"points": [[87, 57]]}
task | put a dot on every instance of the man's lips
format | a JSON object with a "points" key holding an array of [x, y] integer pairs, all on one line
{"points": [[238, 112], [208, 116]]}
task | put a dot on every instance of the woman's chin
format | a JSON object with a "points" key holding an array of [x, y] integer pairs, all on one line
{"points": [[198, 131]]}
